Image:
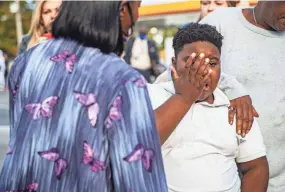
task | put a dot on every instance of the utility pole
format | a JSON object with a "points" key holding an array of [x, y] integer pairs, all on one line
{"points": [[15, 8]]}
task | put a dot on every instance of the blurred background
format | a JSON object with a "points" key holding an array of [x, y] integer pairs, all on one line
{"points": [[159, 20]]}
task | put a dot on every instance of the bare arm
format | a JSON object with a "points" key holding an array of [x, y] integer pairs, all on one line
{"points": [[188, 87], [255, 175], [169, 114]]}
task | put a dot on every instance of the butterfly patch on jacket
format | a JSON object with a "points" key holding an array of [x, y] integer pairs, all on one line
{"points": [[67, 58], [140, 82], [115, 112], [89, 101], [142, 153], [31, 188], [54, 156], [90, 160], [44, 108]]}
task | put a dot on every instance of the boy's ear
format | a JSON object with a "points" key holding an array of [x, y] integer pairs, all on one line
{"points": [[173, 60]]}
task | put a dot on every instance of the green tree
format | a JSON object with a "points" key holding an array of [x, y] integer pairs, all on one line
{"points": [[8, 34]]}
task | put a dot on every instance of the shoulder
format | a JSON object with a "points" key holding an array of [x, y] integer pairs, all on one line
{"points": [[221, 98], [225, 12], [221, 16], [159, 93], [26, 38]]}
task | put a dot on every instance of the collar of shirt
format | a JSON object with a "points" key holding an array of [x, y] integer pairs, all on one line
{"points": [[220, 99]]}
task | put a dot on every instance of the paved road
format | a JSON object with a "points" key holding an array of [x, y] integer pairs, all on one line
{"points": [[4, 125]]}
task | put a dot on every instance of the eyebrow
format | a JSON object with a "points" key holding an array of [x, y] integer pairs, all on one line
{"points": [[213, 57]]}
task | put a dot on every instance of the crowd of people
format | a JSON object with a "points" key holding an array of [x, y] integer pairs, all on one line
{"points": [[84, 117]]}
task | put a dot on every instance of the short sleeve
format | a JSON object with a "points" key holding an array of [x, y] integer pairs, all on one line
{"points": [[135, 153], [252, 146]]}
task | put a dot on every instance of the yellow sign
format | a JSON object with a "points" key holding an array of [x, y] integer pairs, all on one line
{"points": [[161, 7]]}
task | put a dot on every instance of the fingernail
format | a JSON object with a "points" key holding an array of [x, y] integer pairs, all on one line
{"points": [[193, 55], [231, 122], [201, 55], [239, 132], [243, 134], [247, 131], [207, 60]]}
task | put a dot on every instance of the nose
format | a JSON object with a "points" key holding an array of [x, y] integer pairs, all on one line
{"points": [[53, 15], [212, 7]]}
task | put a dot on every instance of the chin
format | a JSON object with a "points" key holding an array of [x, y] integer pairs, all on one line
{"points": [[205, 96]]}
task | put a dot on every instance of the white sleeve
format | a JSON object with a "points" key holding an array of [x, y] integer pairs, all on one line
{"points": [[252, 146], [157, 95], [164, 77]]}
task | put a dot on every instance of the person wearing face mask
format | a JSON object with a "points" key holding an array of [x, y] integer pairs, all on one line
{"points": [[40, 29], [142, 54], [81, 117]]}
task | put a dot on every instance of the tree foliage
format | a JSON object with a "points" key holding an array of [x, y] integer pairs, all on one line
{"points": [[8, 34]]}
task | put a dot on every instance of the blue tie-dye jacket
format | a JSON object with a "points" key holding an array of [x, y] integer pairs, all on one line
{"points": [[80, 121]]}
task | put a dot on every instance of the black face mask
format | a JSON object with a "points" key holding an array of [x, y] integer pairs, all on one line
{"points": [[130, 32]]}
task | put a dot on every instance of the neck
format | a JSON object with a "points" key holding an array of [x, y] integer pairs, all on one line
{"points": [[209, 99], [259, 19]]}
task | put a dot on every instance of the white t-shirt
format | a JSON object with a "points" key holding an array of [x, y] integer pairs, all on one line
{"points": [[201, 154], [256, 57], [140, 55]]}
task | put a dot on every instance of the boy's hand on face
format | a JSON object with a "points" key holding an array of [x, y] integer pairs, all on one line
{"points": [[245, 113], [192, 81]]}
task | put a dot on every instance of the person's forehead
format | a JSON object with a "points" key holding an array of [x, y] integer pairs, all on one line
{"points": [[200, 47], [51, 4]]}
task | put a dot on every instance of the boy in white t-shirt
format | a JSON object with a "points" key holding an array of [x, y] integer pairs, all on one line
{"points": [[204, 152]]}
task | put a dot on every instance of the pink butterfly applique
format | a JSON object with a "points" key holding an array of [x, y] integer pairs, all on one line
{"points": [[89, 159], [66, 57], [141, 82], [89, 101], [44, 108], [59, 163], [146, 155], [115, 112], [10, 150], [31, 188]]}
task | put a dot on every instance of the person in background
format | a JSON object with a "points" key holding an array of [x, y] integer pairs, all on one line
{"points": [[142, 54], [201, 153], [40, 30], [81, 117], [7, 61], [2, 71], [208, 6], [253, 52]]}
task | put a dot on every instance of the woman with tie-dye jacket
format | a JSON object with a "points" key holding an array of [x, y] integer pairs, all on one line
{"points": [[81, 118]]}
